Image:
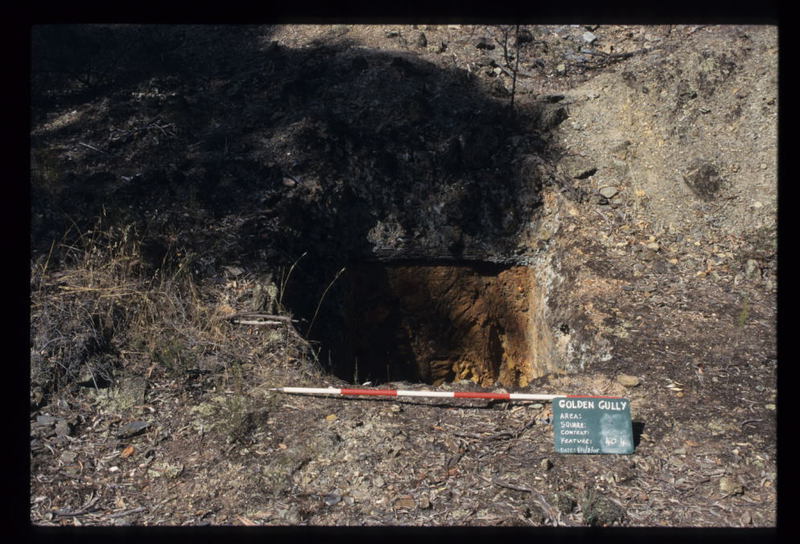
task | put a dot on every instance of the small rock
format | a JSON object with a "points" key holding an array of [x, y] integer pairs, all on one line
{"points": [[424, 503], [173, 471], [331, 417], [751, 268], [621, 150], [484, 43], [546, 464], [290, 515], [704, 180], [628, 381], [37, 396], [653, 246], [422, 40], [332, 498], [729, 486], [577, 167], [561, 68], [609, 192], [551, 117], [769, 406], [132, 429], [164, 470], [405, 502], [589, 37], [46, 420], [68, 457], [524, 36], [63, 428]]}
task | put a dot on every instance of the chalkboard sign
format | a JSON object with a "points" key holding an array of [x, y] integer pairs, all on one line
{"points": [[592, 425]]}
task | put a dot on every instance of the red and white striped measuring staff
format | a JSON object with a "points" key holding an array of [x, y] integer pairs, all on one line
{"points": [[409, 393]]}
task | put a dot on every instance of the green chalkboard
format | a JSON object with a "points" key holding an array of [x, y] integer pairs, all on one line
{"points": [[592, 425]]}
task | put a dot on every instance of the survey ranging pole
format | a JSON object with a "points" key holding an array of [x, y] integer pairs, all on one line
{"points": [[409, 393]]}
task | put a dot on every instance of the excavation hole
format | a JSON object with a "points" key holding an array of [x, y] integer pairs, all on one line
{"points": [[431, 323]]}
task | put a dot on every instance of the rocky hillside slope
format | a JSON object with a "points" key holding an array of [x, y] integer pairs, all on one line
{"points": [[188, 181]]}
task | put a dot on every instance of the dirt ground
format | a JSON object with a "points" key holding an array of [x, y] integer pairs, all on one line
{"points": [[182, 176]]}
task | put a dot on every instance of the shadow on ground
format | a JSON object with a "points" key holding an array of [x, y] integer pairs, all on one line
{"points": [[219, 143]]}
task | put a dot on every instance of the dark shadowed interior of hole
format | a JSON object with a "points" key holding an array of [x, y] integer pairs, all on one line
{"points": [[422, 322]]}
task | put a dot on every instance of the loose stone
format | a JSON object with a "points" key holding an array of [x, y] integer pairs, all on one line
{"points": [[628, 381], [609, 192]]}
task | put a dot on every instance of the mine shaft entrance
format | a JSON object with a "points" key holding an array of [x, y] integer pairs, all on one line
{"points": [[429, 322]]}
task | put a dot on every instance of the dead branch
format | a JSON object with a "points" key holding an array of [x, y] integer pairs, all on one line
{"points": [[258, 323], [257, 317]]}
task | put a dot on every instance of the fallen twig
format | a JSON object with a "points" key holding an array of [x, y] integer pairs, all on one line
{"points": [[257, 317], [469, 435], [127, 512], [504, 435], [93, 148], [258, 323], [497, 482], [85, 509]]}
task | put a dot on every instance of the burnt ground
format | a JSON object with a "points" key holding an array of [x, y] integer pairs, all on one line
{"points": [[181, 176]]}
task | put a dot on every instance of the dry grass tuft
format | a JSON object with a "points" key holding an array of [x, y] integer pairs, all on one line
{"points": [[99, 309]]}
